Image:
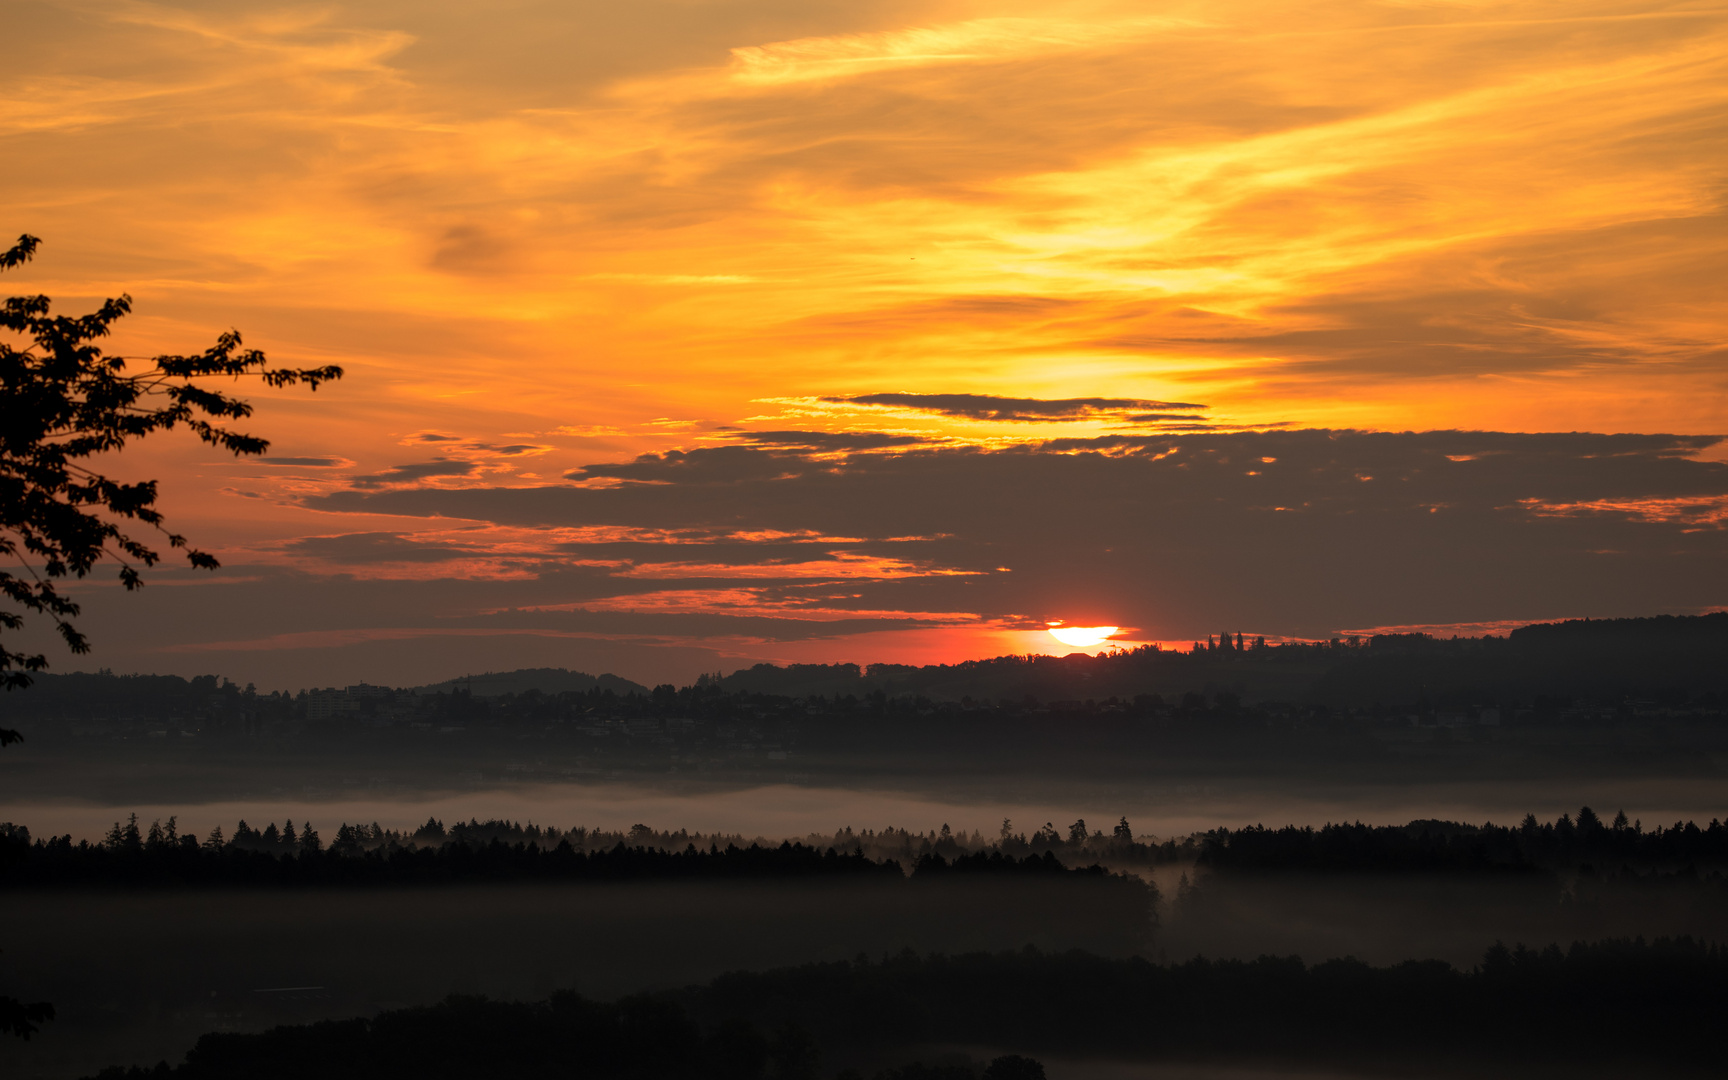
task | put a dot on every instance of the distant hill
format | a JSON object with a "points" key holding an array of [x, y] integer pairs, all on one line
{"points": [[545, 680], [102, 694], [1668, 658]]}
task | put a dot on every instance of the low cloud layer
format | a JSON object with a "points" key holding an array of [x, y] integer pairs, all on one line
{"points": [[691, 560], [408, 474], [1292, 532]]}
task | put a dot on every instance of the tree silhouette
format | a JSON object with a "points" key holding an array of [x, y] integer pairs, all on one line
{"points": [[63, 402], [1014, 1067], [21, 1019], [17, 1017]]}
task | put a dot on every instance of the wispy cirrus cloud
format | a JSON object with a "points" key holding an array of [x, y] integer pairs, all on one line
{"points": [[303, 462], [1348, 216], [591, 240], [971, 41], [362, 549]]}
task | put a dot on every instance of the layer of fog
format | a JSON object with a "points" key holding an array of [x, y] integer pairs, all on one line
{"points": [[1163, 809]]}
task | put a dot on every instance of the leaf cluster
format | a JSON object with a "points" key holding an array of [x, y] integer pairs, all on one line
{"points": [[65, 403]]}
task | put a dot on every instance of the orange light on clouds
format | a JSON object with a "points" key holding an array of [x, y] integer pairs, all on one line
{"points": [[578, 232], [1083, 637], [1341, 214]]}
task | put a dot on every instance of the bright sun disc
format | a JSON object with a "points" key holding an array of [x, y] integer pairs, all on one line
{"points": [[1082, 637]]}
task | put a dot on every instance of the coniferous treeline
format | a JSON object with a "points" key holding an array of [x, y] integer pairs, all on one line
{"points": [[1077, 847], [1431, 846], [507, 850], [162, 861], [1652, 1003]]}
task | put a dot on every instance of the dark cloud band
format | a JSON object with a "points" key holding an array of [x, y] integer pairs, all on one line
{"points": [[1030, 410], [1295, 531]]}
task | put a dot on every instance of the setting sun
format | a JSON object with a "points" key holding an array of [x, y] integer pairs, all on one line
{"points": [[1082, 637]]}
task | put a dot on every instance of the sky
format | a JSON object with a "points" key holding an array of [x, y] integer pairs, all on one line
{"points": [[682, 335]]}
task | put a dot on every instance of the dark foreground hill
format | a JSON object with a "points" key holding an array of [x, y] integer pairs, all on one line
{"points": [[1654, 1007]]}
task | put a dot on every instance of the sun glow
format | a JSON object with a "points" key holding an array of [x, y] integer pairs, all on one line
{"points": [[1083, 637], [721, 239]]}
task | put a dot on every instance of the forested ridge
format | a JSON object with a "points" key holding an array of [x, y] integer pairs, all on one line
{"points": [[1654, 1003], [184, 861], [1653, 999], [1577, 672], [1430, 845], [508, 850]]}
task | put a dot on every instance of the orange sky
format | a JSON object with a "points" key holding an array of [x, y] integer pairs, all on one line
{"points": [[548, 235]]}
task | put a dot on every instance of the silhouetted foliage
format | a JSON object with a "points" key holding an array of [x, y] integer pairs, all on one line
{"points": [[18, 1018], [1014, 1067], [21, 1019], [63, 402]]}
